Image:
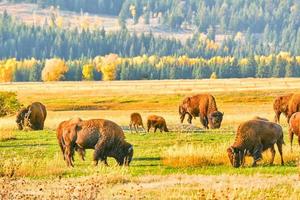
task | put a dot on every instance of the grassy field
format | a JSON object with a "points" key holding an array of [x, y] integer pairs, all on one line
{"points": [[188, 162]]}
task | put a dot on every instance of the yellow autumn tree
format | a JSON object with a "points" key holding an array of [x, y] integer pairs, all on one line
{"points": [[88, 72], [108, 67], [7, 69], [54, 69]]}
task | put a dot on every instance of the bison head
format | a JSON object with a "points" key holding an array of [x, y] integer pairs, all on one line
{"points": [[125, 154], [236, 156], [20, 118], [215, 119]]}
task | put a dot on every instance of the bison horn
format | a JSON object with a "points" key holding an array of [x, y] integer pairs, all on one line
{"points": [[130, 149]]}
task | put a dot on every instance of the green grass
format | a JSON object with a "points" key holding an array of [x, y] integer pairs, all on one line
{"points": [[36, 154]]}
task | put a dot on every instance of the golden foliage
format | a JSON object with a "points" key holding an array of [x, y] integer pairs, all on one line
{"points": [[108, 66], [213, 75], [88, 72], [54, 70], [7, 68]]}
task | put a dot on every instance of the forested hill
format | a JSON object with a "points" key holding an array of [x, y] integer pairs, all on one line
{"points": [[260, 27]]}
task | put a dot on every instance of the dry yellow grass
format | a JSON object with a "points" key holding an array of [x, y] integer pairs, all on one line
{"points": [[6, 134], [190, 155]]}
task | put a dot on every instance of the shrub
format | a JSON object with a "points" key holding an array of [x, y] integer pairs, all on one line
{"points": [[54, 70], [9, 103]]}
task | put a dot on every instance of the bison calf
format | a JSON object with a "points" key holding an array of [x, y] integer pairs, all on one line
{"points": [[157, 122], [294, 127], [136, 121], [252, 138]]}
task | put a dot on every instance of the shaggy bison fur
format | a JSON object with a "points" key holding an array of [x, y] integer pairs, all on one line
{"points": [[106, 137], [293, 105], [204, 106], [294, 127], [59, 135], [33, 116], [136, 121], [280, 105], [157, 122], [252, 138]]}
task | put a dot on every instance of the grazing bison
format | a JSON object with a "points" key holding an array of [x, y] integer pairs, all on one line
{"points": [[106, 137], [280, 105], [204, 106], [33, 116], [136, 121], [59, 135], [252, 138], [157, 122], [293, 105], [294, 127]]}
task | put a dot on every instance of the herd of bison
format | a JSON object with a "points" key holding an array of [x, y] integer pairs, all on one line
{"points": [[108, 140]]}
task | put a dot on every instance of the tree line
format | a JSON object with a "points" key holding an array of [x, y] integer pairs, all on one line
{"points": [[113, 67], [23, 41], [267, 25]]}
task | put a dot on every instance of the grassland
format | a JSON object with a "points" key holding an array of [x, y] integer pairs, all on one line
{"points": [[188, 162]]}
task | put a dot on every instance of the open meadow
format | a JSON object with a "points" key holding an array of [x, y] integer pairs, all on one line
{"points": [[186, 163]]}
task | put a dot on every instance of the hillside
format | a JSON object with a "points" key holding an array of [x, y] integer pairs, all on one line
{"points": [[33, 14]]}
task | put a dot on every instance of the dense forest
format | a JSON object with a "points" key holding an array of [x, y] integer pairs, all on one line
{"points": [[113, 67], [262, 40]]}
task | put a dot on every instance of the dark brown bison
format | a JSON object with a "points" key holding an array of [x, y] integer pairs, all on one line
{"points": [[157, 122], [33, 116], [294, 127], [136, 121], [59, 135], [204, 106], [280, 105], [252, 138], [106, 137], [293, 105]]}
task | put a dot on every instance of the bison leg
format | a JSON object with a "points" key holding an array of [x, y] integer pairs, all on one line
{"points": [[190, 117], [135, 127], [182, 116], [291, 137], [277, 117], [130, 126], [272, 149], [81, 152], [148, 126], [257, 154], [279, 146], [68, 155], [99, 151], [62, 148], [155, 128]]}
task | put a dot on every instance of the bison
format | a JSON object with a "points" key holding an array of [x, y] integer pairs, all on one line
{"points": [[157, 122], [136, 121], [204, 106], [294, 127], [252, 138], [293, 105], [59, 135], [33, 116], [106, 137], [280, 105]]}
